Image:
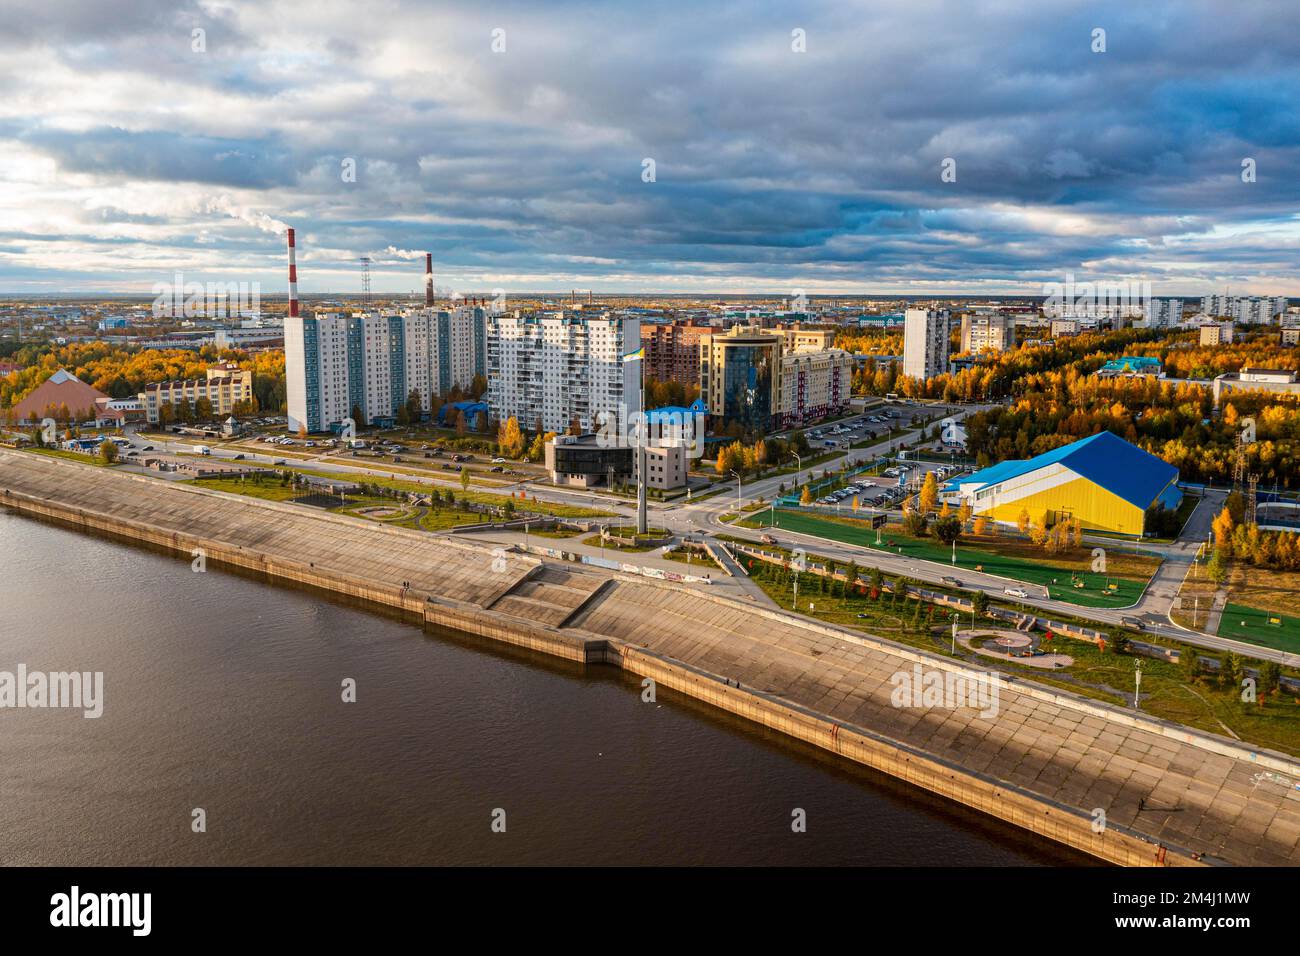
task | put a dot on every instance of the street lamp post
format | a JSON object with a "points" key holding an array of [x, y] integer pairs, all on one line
{"points": [[738, 505], [954, 615], [1137, 684]]}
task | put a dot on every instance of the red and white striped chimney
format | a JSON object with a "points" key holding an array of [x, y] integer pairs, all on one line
{"points": [[428, 279], [293, 279]]}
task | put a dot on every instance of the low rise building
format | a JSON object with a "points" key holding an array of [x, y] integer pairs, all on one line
{"points": [[224, 387], [1216, 333], [1064, 327], [814, 385], [1277, 380], [588, 461], [1129, 365]]}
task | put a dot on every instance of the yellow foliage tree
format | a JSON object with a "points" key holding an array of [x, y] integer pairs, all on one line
{"points": [[510, 438], [929, 493]]}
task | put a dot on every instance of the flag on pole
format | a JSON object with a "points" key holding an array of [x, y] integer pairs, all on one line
{"points": [[635, 356]]}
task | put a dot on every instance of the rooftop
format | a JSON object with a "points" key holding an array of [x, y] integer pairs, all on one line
{"points": [[1122, 468]]}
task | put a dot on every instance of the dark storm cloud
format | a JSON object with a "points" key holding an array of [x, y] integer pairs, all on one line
{"points": [[770, 164]]}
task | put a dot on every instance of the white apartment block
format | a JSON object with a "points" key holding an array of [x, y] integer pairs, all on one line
{"points": [[925, 343], [335, 363], [316, 371], [987, 331], [1164, 313], [1062, 327], [559, 367], [1245, 310]]}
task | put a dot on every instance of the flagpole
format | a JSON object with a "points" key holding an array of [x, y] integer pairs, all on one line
{"points": [[641, 525]]}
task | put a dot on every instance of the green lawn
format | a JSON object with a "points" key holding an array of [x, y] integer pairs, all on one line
{"points": [[1250, 625], [70, 455], [1032, 571], [268, 489], [1095, 673], [478, 497]]}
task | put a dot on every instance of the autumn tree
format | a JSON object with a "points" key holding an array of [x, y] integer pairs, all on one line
{"points": [[1222, 526], [510, 438], [929, 493]]}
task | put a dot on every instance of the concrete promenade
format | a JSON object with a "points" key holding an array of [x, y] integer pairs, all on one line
{"points": [[1046, 761]]}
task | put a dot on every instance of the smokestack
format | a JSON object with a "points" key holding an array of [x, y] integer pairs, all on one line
{"points": [[428, 279], [293, 279]]}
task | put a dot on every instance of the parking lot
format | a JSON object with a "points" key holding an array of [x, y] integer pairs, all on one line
{"points": [[872, 425], [896, 482]]}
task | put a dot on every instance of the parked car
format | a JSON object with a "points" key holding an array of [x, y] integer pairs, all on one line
{"points": [[498, 461], [496, 469]]}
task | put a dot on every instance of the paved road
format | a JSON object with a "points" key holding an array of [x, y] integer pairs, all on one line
{"points": [[1152, 609], [686, 517]]}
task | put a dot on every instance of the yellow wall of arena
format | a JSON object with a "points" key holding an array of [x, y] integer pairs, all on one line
{"points": [[1095, 507]]}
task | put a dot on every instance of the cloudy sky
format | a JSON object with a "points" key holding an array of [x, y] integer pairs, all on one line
{"points": [[132, 147]]}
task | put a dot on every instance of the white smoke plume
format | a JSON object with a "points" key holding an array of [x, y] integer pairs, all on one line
{"points": [[258, 220], [392, 252]]}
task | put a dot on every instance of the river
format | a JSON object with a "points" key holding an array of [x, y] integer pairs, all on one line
{"points": [[224, 693]]}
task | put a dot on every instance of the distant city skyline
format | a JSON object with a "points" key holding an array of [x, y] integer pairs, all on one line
{"points": [[146, 138]]}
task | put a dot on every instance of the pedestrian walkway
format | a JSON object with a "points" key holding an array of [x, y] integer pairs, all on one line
{"points": [[1216, 612]]}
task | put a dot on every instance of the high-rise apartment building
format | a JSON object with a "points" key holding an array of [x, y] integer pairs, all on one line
{"points": [[987, 332], [672, 350], [925, 343], [337, 364], [558, 368], [1245, 310], [316, 370], [1164, 313]]}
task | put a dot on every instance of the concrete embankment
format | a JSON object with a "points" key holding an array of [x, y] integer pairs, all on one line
{"points": [[1047, 761]]}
